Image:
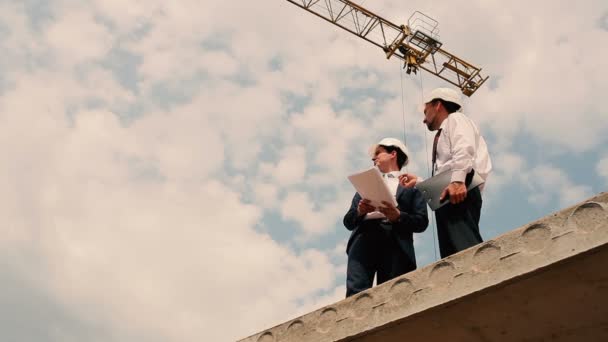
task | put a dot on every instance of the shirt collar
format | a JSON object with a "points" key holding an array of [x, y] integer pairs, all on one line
{"points": [[445, 122], [392, 174]]}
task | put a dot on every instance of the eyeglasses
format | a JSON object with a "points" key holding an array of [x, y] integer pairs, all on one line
{"points": [[379, 153]]}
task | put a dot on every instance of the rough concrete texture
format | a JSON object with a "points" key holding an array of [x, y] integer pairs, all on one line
{"points": [[547, 280]]}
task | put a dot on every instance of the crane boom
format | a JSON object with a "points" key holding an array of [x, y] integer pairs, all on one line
{"points": [[416, 43]]}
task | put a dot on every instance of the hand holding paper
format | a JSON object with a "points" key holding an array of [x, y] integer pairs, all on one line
{"points": [[370, 186], [390, 211], [365, 207]]}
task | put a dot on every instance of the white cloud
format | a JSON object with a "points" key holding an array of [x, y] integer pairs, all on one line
{"points": [[547, 183], [157, 246], [332, 135], [244, 117], [125, 224], [339, 250], [266, 194], [292, 166], [298, 206], [333, 296], [182, 144], [508, 168], [76, 37], [312, 216], [544, 96], [602, 168]]}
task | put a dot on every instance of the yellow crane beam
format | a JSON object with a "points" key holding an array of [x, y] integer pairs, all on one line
{"points": [[416, 43]]}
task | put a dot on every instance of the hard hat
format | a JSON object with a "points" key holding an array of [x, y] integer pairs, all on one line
{"points": [[446, 94], [390, 142]]}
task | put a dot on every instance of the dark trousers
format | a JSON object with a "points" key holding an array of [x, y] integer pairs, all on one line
{"points": [[458, 225], [373, 251]]}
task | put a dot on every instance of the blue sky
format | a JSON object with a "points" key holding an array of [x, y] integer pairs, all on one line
{"points": [[173, 168]]}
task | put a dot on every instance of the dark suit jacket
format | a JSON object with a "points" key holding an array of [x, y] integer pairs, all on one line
{"points": [[413, 219]]}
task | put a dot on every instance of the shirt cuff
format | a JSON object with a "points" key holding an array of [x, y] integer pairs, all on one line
{"points": [[458, 176]]}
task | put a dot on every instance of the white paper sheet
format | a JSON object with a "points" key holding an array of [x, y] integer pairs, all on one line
{"points": [[370, 185]]}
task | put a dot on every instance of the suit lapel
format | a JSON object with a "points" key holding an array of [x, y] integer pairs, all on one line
{"points": [[400, 191]]}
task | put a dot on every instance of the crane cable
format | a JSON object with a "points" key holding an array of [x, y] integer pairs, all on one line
{"points": [[434, 227], [403, 108]]}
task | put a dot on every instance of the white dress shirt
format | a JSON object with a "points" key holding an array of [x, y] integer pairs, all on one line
{"points": [[461, 148]]}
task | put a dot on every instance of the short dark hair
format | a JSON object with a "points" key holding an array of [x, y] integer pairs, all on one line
{"points": [[450, 107], [401, 157]]}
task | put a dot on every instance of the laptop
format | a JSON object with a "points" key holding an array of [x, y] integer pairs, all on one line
{"points": [[432, 188]]}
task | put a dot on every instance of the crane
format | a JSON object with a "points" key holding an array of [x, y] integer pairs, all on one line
{"points": [[416, 44]]}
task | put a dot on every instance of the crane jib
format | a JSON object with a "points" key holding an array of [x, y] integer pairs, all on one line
{"points": [[416, 44]]}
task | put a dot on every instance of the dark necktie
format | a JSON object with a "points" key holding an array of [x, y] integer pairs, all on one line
{"points": [[435, 150]]}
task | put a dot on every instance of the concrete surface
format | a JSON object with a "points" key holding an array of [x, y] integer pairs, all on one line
{"points": [[545, 281]]}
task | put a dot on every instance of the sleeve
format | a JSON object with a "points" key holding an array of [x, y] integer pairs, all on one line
{"points": [[462, 146], [483, 162], [416, 218], [352, 219]]}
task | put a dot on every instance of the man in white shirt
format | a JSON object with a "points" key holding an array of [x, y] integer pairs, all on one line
{"points": [[381, 242], [458, 148]]}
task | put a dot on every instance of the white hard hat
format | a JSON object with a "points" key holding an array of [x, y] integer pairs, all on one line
{"points": [[446, 94], [390, 142]]}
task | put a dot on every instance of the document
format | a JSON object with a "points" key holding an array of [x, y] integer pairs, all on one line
{"points": [[432, 188], [370, 185]]}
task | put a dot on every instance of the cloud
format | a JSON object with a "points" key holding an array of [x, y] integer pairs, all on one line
{"points": [[144, 142], [315, 214], [125, 219], [71, 47], [546, 183], [332, 135], [508, 167], [537, 92], [158, 245], [603, 21], [602, 168], [292, 166], [266, 194]]}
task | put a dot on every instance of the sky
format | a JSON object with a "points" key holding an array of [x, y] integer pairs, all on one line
{"points": [[176, 170]]}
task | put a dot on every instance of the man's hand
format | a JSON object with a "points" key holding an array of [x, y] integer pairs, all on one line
{"points": [[457, 192], [408, 180], [390, 211], [365, 207]]}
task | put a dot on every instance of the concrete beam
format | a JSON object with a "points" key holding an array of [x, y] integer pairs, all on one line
{"points": [[547, 280]]}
